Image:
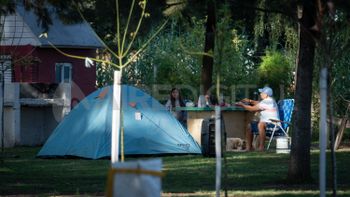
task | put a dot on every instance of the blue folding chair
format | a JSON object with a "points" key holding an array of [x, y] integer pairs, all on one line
{"points": [[280, 127]]}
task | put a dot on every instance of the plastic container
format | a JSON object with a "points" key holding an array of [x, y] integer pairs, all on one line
{"points": [[282, 145]]}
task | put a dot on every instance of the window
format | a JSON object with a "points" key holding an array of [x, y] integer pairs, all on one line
{"points": [[63, 72]]}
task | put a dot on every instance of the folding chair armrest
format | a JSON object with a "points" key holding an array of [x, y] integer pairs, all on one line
{"points": [[286, 122], [276, 121]]}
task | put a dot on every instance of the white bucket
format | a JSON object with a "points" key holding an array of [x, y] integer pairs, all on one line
{"points": [[282, 145]]}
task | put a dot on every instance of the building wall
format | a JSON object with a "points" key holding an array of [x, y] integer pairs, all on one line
{"points": [[37, 124], [42, 68], [31, 125], [11, 115], [29, 121], [11, 121], [83, 78], [23, 40], [27, 124]]}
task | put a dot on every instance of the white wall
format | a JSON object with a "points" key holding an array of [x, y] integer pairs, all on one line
{"points": [[11, 114], [30, 122]]}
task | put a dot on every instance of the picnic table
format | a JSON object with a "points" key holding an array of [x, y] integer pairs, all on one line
{"points": [[236, 120]]}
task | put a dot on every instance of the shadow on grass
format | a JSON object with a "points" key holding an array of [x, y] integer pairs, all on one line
{"points": [[29, 175], [248, 174]]}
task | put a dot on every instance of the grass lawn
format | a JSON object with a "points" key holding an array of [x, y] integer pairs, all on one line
{"points": [[248, 174]]}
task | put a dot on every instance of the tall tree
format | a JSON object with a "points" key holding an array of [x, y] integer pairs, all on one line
{"points": [[208, 61], [209, 44], [305, 10], [299, 167]]}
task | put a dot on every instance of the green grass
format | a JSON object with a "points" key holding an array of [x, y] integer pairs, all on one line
{"points": [[248, 174]]}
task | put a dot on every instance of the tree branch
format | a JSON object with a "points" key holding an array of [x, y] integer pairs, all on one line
{"points": [[240, 4]]}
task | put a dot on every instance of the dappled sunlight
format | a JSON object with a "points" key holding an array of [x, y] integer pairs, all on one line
{"points": [[272, 193], [248, 174], [5, 170], [267, 155]]}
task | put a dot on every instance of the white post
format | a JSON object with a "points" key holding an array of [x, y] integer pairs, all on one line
{"points": [[67, 98], [323, 131], [17, 112], [218, 149], [116, 117]]}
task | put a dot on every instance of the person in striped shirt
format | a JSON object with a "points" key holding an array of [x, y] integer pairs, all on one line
{"points": [[267, 108]]}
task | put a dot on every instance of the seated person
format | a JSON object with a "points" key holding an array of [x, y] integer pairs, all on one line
{"points": [[175, 100], [267, 108], [207, 100]]}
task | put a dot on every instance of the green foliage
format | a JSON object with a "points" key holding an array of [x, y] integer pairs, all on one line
{"points": [[333, 52], [340, 70], [104, 74], [6, 7], [234, 54], [168, 59], [340, 85], [237, 66], [275, 71], [259, 27], [233, 57], [277, 29], [174, 58], [163, 61], [275, 35]]}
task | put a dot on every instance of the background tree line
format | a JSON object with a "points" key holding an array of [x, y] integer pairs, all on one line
{"points": [[238, 42], [256, 42]]}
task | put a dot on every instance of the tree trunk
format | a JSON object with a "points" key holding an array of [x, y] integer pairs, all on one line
{"points": [[208, 62], [299, 167]]}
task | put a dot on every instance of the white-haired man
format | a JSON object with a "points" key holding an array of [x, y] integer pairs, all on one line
{"points": [[268, 109]]}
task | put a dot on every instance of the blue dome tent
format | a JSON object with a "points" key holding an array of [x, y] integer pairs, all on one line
{"points": [[86, 130]]}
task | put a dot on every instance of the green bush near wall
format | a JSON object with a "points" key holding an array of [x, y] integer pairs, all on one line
{"points": [[276, 71]]}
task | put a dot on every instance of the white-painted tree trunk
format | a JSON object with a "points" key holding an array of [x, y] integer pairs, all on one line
{"points": [[218, 149], [2, 113], [116, 117], [323, 131]]}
